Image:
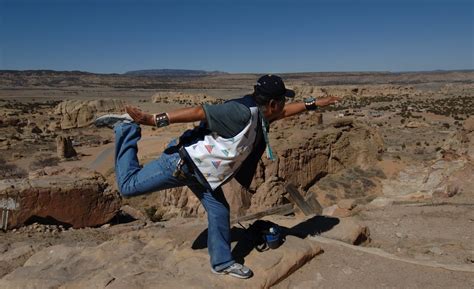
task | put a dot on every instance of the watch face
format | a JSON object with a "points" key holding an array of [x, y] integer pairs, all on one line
{"points": [[309, 99]]}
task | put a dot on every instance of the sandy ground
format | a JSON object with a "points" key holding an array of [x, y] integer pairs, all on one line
{"points": [[339, 267], [436, 231]]}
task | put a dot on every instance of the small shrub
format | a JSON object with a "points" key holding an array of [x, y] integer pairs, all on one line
{"points": [[44, 161], [150, 212], [10, 171], [152, 215]]}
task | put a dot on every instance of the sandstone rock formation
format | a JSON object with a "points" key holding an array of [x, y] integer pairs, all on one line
{"points": [[80, 113], [348, 230], [75, 197], [361, 90], [155, 257], [64, 147], [353, 183], [184, 98], [462, 141], [302, 158], [441, 178]]}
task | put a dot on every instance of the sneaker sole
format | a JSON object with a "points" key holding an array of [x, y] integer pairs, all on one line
{"points": [[109, 121], [231, 274]]}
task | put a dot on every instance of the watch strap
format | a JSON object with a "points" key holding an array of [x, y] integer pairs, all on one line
{"points": [[161, 119], [310, 103]]}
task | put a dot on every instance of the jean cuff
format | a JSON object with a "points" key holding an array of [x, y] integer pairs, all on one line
{"points": [[222, 266]]}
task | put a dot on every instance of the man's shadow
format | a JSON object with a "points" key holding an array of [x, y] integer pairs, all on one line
{"points": [[247, 240]]}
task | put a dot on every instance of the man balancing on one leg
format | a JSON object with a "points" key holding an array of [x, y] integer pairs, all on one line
{"points": [[227, 144]]}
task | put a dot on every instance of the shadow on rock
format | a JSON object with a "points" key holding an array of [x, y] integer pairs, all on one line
{"points": [[313, 226], [249, 239], [48, 220]]}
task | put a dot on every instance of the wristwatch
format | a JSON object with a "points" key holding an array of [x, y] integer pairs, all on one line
{"points": [[310, 103], [161, 119]]}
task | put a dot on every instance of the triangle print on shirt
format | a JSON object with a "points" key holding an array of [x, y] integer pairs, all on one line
{"points": [[216, 164], [217, 158], [209, 148]]}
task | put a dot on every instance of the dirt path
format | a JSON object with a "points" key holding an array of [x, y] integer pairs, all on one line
{"points": [[340, 267]]}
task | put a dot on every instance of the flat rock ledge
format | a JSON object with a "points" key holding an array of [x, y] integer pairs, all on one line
{"points": [[153, 257]]}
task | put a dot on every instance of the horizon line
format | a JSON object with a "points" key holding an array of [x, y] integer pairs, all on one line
{"points": [[225, 72]]}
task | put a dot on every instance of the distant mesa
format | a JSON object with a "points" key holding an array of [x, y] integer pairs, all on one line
{"points": [[173, 72], [45, 72]]}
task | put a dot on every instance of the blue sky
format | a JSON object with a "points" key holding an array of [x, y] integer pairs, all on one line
{"points": [[237, 36]]}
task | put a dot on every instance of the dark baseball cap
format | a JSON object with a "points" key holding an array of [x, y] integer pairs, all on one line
{"points": [[272, 87]]}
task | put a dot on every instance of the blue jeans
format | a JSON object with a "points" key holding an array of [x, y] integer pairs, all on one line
{"points": [[157, 175]]}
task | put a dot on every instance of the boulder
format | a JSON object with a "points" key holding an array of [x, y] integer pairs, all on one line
{"points": [[81, 113], [134, 213], [75, 197], [64, 147], [349, 230]]}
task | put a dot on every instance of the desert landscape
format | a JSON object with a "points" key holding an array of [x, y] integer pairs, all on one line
{"points": [[391, 166]]}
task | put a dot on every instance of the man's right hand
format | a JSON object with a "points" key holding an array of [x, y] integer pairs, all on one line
{"points": [[139, 116]]}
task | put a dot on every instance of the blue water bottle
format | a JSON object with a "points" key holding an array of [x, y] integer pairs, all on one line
{"points": [[273, 238]]}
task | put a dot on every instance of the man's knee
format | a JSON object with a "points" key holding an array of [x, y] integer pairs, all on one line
{"points": [[219, 214], [126, 190]]}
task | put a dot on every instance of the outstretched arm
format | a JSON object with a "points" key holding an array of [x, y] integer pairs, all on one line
{"points": [[299, 107], [190, 114]]}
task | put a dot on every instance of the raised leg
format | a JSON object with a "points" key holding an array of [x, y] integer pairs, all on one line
{"points": [[134, 180]]}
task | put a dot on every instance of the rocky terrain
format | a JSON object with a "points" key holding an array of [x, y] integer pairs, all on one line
{"points": [[391, 166]]}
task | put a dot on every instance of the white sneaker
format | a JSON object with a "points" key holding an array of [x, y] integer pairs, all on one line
{"points": [[236, 270], [109, 120]]}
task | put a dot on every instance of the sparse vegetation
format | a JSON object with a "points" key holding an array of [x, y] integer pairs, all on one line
{"points": [[10, 171], [44, 160], [152, 215]]}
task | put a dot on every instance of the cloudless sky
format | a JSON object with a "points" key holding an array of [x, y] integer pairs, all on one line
{"points": [[108, 36]]}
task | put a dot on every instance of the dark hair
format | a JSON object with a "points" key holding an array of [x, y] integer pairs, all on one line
{"points": [[260, 99], [264, 100]]}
